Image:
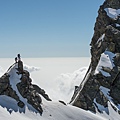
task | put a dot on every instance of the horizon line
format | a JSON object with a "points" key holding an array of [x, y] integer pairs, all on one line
{"points": [[52, 57]]}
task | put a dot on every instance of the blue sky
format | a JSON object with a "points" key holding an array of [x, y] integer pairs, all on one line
{"points": [[47, 28]]}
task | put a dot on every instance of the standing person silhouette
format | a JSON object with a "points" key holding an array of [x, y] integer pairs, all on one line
{"points": [[19, 57], [20, 64], [15, 59]]}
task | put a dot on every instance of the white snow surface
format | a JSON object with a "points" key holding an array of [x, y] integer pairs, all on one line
{"points": [[113, 13], [51, 111], [101, 38], [106, 60], [105, 91], [99, 42], [117, 25]]}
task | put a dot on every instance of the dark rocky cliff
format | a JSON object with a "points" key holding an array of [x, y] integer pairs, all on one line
{"points": [[101, 84]]}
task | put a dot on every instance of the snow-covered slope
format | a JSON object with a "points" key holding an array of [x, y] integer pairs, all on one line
{"points": [[51, 111]]}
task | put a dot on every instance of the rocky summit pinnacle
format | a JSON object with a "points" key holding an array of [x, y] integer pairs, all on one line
{"points": [[17, 84], [101, 84]]}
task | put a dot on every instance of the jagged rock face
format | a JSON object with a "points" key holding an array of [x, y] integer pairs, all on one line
{"points": [[17, 84], [5, 87], [101, 83]]}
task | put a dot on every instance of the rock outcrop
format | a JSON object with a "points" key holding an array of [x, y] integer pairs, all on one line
{"points": [[5, 87], [17, 84], [101, 83]]}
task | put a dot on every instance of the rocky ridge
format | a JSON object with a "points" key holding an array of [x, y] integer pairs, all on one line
{"points": [[17, 84], [101, 84]]}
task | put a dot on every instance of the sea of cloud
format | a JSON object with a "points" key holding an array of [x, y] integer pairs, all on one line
{"points": [[62, 88], [1, 70], [31, 68], [58, 77], [66, 83]]}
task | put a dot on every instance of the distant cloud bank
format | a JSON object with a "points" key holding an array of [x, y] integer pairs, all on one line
{"points": [[66, 83], [31, 68], [1, 71]]}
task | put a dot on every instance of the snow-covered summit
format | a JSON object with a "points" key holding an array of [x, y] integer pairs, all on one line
{"points": [[17, 84]]}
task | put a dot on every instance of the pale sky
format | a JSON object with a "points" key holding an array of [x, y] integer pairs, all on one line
{"points": [[47, 28]]}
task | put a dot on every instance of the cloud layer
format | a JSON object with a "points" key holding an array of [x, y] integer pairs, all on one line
{"points": [[66, 83], [31, 68], [1, 71]]}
